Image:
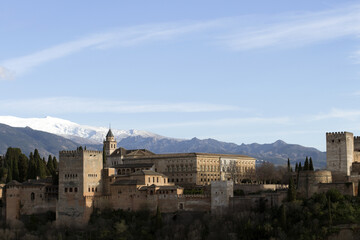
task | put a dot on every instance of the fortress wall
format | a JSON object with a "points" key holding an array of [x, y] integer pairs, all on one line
{"points": [[251, 188], [39, 203], [344, 188], [339, 152], [12, 211]]}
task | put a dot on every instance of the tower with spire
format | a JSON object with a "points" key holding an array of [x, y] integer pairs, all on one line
{"points": [[110, 144]]}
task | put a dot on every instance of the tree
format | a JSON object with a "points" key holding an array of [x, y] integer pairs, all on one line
{"points": [[50, 165], [32, 167], [296, 167], [311, 166], [23, 167], [291, 195], [288, 165], [104, 156], [55, 163], [306, 164], [300, 167]]}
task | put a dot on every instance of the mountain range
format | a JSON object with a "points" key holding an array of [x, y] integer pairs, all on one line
{"points": [[50, 135]]}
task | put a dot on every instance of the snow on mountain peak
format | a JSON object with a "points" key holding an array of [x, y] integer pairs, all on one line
{"points": [[72, 130]]}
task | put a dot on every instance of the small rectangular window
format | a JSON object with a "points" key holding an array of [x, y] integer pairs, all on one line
{"points": [[92, 189], [70, 189], [89, 189], [75, 189], [65, 189]]}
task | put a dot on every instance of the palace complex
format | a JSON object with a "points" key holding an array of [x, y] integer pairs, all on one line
{"points": [[130, 180]]}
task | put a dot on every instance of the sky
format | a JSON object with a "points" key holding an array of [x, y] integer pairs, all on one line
{"points": [[235, 71]]}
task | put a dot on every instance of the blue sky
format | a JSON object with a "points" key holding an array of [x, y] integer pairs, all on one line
{"points": [[236, 71]]}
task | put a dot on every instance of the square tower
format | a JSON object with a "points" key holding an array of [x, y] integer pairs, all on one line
{"points": [[79, 183], [339, 152]]}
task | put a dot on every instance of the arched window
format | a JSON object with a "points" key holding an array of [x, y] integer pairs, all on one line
{"points": [[32, 196]]}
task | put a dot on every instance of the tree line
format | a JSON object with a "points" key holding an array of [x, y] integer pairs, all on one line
{"points": [[17, 166]]}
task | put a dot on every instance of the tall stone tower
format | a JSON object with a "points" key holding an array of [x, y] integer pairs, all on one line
{"points": [[79, 184], [339, 152], [110, 144]]}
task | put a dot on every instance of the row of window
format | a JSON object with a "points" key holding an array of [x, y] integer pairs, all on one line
{"points": [[71, 175], [70, 189], [157, 179], [92, 175], [92, 189]]}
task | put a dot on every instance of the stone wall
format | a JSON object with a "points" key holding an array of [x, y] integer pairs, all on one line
{"points": [[245, 203], [339, 152], [221, 192], [79, 184], [253, 188]]}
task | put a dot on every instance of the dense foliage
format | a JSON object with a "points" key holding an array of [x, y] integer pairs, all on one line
{"points": [[314, 218], [17, 166]]}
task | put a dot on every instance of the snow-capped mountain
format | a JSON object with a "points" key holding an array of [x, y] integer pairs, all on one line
{"points": [[73, 131]]}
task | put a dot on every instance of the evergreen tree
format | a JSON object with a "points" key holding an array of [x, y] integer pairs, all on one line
{"points": [[104, 157], [300, 167], [9, 177], [15, 166], [55, 163], [23, 167], [311, 166], [288, 165], [50, 166], [306, 164], [291, 195], [32, 167], [296, 167]]}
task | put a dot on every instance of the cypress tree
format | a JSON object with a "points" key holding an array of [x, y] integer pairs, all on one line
{"points": [[300, 167], [288, 165], [291, 195], [23, 167], [104, 157], [9, 176], [55, 163], [296, 167], [306, 164], [50, 165], [311, 166], [32, 167]]}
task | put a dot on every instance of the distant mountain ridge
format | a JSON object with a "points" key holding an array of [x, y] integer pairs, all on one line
{"points": [[73, 131], [66, 135]]}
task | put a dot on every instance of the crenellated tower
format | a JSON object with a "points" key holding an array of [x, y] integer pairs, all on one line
{"points": [[110, 144], [339, 152]]}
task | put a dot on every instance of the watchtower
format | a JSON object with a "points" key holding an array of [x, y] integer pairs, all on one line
{"points": [[339, 152], [110, 144], [79, 183]]}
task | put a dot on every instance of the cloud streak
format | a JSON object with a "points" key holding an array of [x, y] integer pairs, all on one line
{"points": [[298, 30], [61, 105], [120, 37], [351, 115], [288, 31]]}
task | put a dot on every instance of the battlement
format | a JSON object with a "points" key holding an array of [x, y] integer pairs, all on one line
{"points": [[357, 138], [336, 133], [77, 151]]}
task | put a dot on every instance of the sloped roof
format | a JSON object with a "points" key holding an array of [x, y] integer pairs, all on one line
{"points": [[125, 182], [134, 165], [109, 134], [146, 172]]}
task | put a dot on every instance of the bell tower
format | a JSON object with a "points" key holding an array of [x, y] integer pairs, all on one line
{"points": [[110, 144]]}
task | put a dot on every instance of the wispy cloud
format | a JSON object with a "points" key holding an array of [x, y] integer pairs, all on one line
{"points": [[60, 105], [287, 31], [225, 122], [338, 113], [120, 37], [298, 30]]}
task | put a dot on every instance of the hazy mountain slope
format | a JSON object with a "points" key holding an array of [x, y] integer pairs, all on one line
{"points": [[277, 152], [92, 137], [28, 139]]}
